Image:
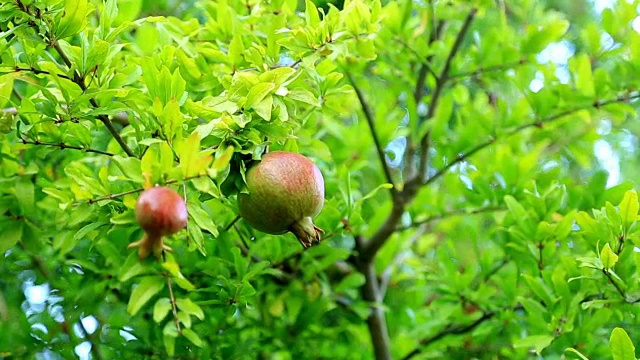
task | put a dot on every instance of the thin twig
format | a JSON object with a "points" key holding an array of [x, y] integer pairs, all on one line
{"points": [[538, 123], [450, 330], [79, 80], [487, 69], [449, 214], [133, 191], [63, 146], [440, 84], [418, 93], [43, 72], [235, 220], [370, 117], [173, 304]]}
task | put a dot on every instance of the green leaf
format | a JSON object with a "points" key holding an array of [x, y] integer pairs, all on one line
{"points": [[193, 162], [25, 195], [170, 333], [10, 234], [236, 48], [608, 257], [352, 281], [537, 342], [74, 18], [131, 167], [311, 14], [264, 107], [629, 209], [190, 308], [193, 337], [257, 93], [538, 287], [161, 309], [141, 294], [304, 96], [202, 219], [621, 346], [132, 267]]}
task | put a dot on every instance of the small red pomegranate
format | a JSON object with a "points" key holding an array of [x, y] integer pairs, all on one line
{"points": [[286, 190], [160, 212]]}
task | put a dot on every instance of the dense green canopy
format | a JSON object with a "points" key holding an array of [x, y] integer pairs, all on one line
{"points": [[479, 159]]}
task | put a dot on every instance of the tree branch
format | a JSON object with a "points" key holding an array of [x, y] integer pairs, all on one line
{"points": [[484, 70], [40, 72], [370, 117], [79, 80], [440, 83], [172, 299], [369, 249], [117, 195], [450, 330], [538, 123], [418, 93], [63, 146], [376, 321], [449, 214]]}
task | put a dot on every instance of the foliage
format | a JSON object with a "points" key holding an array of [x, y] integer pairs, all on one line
{"points": [[466, 215]]}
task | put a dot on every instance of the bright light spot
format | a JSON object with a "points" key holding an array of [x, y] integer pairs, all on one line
{"points": [[609, 161], [395, 150], [127, 335], [636, 249], [635, 24], [37, 294], [607, 42], [536, 85], [41, 327], [600, 5], [550, 165], [557, 53], [604, 127], [90, 323], [83, 350]]}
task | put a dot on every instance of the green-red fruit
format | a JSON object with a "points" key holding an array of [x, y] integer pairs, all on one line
{"points": [[286, 191], [160, 212]]}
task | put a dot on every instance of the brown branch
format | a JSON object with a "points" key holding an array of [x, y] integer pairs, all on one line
{"points": [[376, 321], [63, 146], [538, 123], [369, 249], [370, 117], [440, 84]]}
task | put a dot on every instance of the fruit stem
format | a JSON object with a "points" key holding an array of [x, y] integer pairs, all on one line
{"points": [[148, 244], [306, 232]]}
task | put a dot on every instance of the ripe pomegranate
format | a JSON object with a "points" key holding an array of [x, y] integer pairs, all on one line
{"points": [[160, 212], [286, 190]]}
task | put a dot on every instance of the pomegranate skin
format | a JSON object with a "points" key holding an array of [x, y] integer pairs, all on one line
{"points": [[160, 211], [286, 190]]}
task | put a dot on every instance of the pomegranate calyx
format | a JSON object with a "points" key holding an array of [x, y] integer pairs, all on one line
{"points": [[307, 232]]}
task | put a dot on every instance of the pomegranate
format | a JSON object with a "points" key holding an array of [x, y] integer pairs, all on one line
{"points": [[160, 212], [286, 190]]}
